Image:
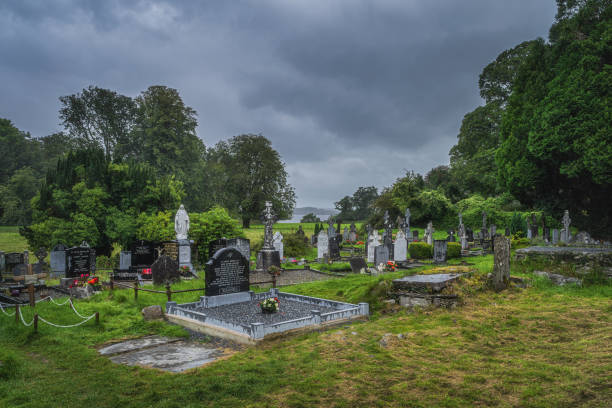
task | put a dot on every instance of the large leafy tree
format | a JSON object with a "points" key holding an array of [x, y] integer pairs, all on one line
{"points": [[98, 117], [251, 173], [359, 206], [556, 152]]}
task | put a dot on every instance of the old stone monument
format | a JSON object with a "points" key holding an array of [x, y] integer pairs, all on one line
{"points": [[226, 272], [345, 234], [566, 234], [243, 246], [277, 242], [57, 260], [429, 233], [501, 263], [439, 250], [400, 247], [407, 223], [358, 265], [381, 255], [322, 245], [353, 233], [268, 256], [555, 236]]}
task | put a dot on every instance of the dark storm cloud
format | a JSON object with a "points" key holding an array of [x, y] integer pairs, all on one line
{"points": [[351, 93]]}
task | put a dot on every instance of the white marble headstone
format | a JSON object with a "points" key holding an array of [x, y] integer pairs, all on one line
{"points": [[277, 241], [322, 245], [373, 242], [400, 247]]}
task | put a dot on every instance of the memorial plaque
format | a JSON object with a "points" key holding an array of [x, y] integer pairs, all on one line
{"points": [[358, 265], [227, 272], [243, 245], [170, 249], [143, 253], [216, 245], [122, 275], [79, 261], [165, 269]]}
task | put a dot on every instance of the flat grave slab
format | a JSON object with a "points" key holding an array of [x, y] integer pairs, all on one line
{"points": [[164, 353], [429, 283], [175, 356]]}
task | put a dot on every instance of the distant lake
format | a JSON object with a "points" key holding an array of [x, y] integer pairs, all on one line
{"points": [[298, 217]]}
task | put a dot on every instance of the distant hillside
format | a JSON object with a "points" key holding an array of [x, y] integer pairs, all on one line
{"points": [[319, 211]]}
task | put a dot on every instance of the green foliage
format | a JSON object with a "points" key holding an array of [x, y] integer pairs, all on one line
{"points": [[253, 173], [204, 228], [556, 129], [453, 250], [518, 224], [421, 250], [518, 243], [310, 217], [359, 206], [295, 246]]}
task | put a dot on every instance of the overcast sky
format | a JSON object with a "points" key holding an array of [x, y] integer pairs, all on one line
{"points": [[351, 93]]}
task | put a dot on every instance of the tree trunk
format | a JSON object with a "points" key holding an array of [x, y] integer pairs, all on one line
{"points": [[246, 223]]}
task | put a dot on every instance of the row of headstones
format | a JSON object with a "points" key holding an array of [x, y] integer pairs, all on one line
{"points": [[141, 256], [64, 262]]}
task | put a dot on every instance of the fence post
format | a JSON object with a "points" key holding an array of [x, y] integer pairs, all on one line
{"points": [[136, 290], [17, 313], [97, 317], [31, 293], [274, 280], [35, 322], [168, 291]]}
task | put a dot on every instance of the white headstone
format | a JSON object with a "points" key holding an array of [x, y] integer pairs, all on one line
{"points": [[322, 245], [181, 223], [400, 247], [277, 241], [373, 242]]}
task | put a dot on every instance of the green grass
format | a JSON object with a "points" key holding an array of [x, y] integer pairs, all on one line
{"points": [[545, 346]]}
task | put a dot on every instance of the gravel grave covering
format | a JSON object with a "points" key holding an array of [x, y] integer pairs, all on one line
{"points": [[249, 312]]}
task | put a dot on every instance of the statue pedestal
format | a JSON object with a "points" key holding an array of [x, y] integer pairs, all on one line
{"points": [[267, 258], [184, 254]]}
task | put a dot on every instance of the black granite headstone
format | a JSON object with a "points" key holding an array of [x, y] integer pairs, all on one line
{"points": [[80, 261], [334, 248], [226, 272], [216, 245], [20, 270], [165, 269], [143, 253]]}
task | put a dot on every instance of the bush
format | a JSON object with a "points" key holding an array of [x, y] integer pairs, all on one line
{"points": [[310, 218], [518, 224], [517, 243], [294, 246], [453, 250], [106, 262], [420, 250]]}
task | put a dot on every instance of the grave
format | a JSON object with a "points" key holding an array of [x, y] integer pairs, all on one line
{"points": [[381, 255], [334, 247], [216, 245], [143, 254], [57, 260], [268, 256], [425, 290], [125, 260], [226, 272], [238, 317], [439, 251], [165, 269], [555, 236], [353, 233], [277, 242], [400, 247], [345, 235], [243, 246], [322, 245], [373, 242], [81, 261], [169, 248], [501, 263], [358, 265]]}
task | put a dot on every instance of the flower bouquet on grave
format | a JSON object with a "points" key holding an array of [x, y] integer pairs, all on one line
{"points": [[390, 267], [80, 282], [269, 305]]}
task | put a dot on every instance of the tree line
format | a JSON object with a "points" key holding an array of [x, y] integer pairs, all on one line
{"points": [[541, 142], [119, 157]]}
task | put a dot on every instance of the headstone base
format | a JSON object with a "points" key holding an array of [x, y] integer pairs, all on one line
{"points": [[267, 258]]}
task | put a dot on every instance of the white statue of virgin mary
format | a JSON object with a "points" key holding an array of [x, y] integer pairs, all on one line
{"points": [[181, 223]]}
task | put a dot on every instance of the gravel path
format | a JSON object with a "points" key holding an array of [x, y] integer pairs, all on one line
{"points": [[250, 312]]}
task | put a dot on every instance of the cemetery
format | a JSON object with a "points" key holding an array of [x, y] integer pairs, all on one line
{"points": [[310, 218]]}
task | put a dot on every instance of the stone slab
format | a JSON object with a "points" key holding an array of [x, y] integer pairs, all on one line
{"points": [[175, 356], [135, 344], [433, 283]]}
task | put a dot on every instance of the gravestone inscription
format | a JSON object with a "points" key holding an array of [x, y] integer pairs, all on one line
{"points": [[439, 250], [143, 253], [81, 260], [169, 248], [227, 272]]}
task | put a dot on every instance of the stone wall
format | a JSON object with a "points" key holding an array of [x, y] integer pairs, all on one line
{"points": [[583, 259], [290, 277]]}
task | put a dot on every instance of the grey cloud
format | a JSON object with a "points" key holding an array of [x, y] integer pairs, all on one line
{"points": [[351, 93]]}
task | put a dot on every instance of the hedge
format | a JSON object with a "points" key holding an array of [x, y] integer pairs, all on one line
{"points": [[420, 250]]}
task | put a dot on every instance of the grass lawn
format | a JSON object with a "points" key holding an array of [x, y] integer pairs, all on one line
{"points": [[539, 347]]}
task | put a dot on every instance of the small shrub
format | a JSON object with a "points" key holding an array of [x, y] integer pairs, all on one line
{"points": [[517, 243], [420, 250], [105, 262], [294, 245], [453, 250]]}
